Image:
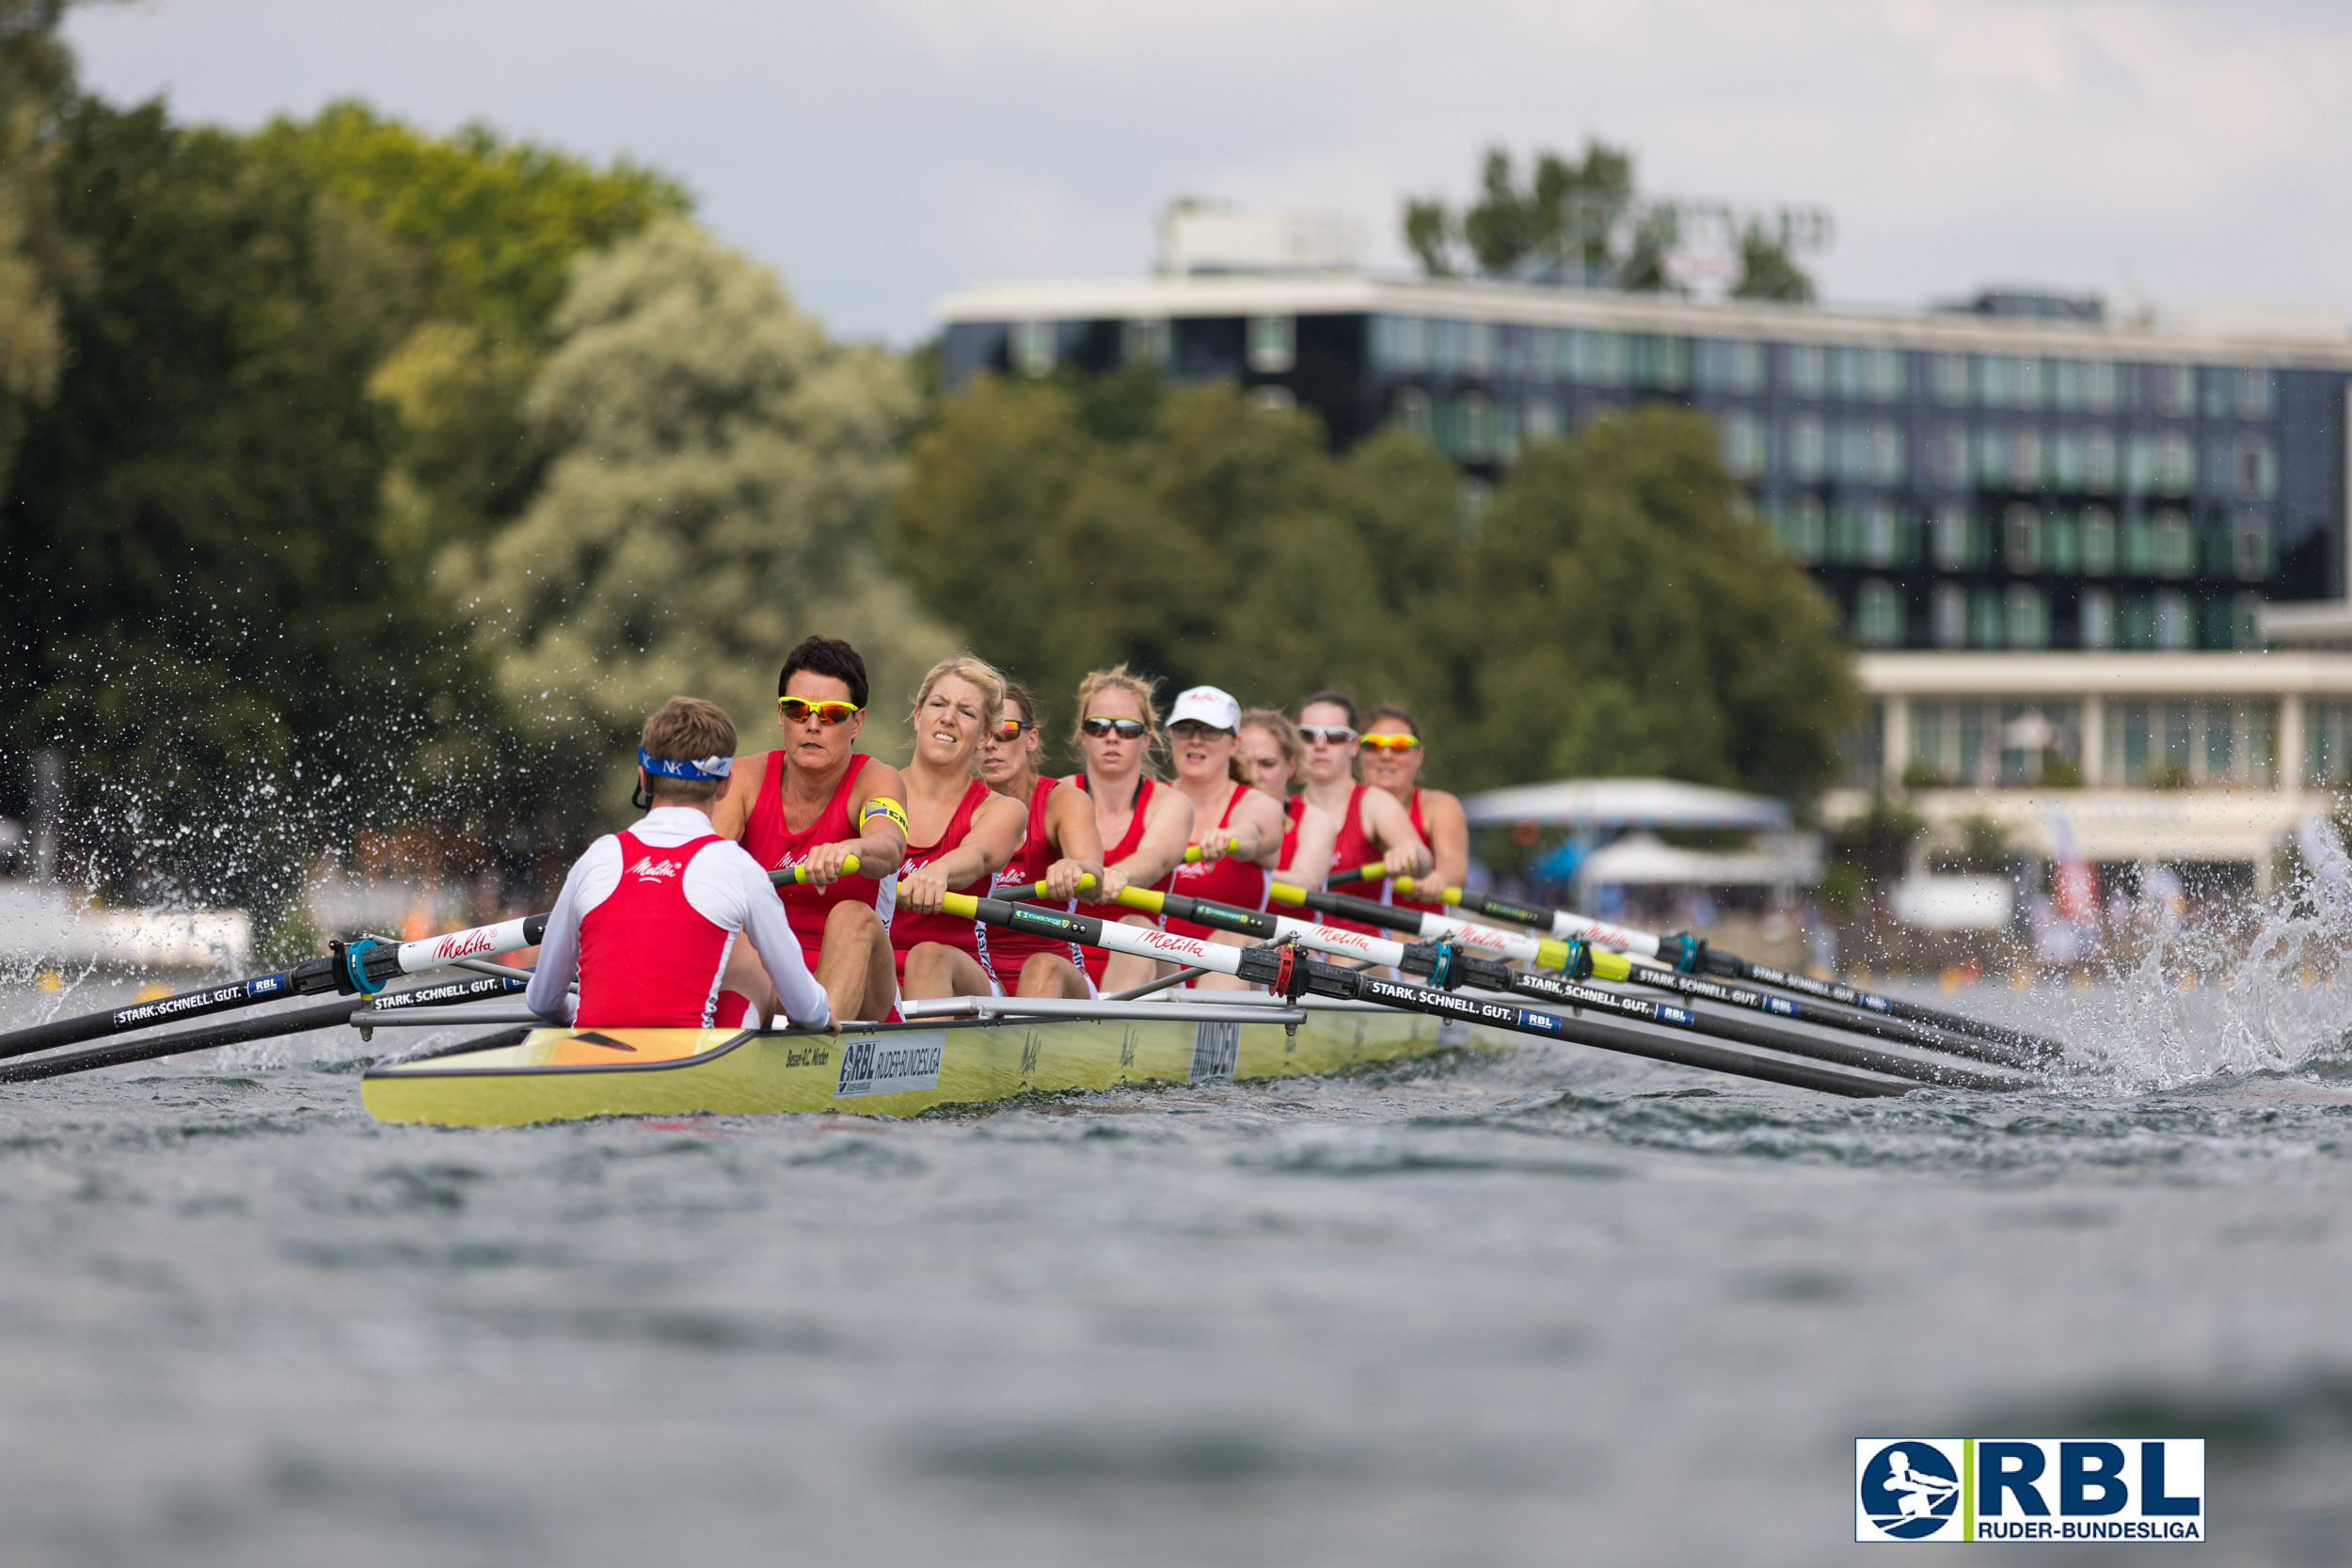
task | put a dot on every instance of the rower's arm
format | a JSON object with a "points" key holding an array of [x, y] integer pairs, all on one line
{"points": [[1069, 823], [1448, 836], [1167, 831], [1257, 829], [549, 993], [880, 844], [731, 813], [1318, 836], [994, 837], [799, 997], [1391, 828]]}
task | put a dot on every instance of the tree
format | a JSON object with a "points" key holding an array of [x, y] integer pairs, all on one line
{"points": [[1623, 612], [1768, 271], [721, 471], [36, 79]]}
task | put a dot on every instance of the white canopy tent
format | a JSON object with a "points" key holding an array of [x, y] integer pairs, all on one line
{"points": [[1608, 803], [1643, 859]]}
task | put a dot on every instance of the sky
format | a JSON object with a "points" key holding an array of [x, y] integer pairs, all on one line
{"points": [[882, 154]]}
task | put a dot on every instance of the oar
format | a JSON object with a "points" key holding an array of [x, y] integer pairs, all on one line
{"points": [[1685, 952], [1448, 965], [1545, 951], [361, 967], [325, 1017], [1372, 872], [1282, 970]]}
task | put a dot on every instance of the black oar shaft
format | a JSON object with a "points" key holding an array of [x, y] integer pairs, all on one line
{"points": [[325, 1016], [2041, 1049]]}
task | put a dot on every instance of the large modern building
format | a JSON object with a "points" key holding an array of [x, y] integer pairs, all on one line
{"points": [[2153, 492]]}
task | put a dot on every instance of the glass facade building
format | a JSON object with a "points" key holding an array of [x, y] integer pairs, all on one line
{"points": [[1952, 479]]}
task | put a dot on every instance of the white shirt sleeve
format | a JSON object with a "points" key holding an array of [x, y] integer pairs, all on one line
{"points": [[730, 890], [590, 882]]}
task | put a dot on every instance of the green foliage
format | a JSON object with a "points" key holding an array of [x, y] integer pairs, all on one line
{"points": [[1842, 889], [1923, 775], [1768, 271], [1875, 846], [36, 79], [1616, 612], [720, 471]]}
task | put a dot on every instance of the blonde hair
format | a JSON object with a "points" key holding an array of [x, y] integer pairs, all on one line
{"points": [[1286, 737], [687, 729], [1120, 678], [965, 667]]}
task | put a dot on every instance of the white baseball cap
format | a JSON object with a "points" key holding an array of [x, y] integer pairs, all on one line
{"points": [[1206, 704]]}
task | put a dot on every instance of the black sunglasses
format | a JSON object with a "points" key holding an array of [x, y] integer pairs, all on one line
{"points": [[1126, 729]]}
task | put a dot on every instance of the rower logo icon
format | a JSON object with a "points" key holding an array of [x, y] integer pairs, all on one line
{"points": [[1909, 1490], [651, 870]]}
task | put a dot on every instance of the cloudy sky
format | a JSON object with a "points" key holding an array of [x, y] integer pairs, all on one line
{"points": [[882, 153]]}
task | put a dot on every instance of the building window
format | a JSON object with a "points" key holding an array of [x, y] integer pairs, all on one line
{"points": [[2253, 394], [1033, 347], [2174, 545], [1948, 455], [1803, 367], [1151, 342], [2216, 381], [2172, 624], [1878, 614], [1477, 413], [2172, 391], [2024, 458], [2066, 384], [1661, 362], [2028, 618], [2098, 542], [1414, 413], [2021, 540], [1805, 528], [1950, 614], [1405, 343], [1273, 344], [1808, 447], [1598, 359], [1732, 367], [1478, 348], [2066, 461], [2097, 619], [1984, 618], [1445, 347], [1951, 538], [2098, 462], [1541, 419], [1948, 375], [2102, 387], [2246, 607], [2249, 547], [2139, 547], [2255, 467], [1743, 445], [2176, 464], [2061, 545], [1992, 459], [1882, 534]]}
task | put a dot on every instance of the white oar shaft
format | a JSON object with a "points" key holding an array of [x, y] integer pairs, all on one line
{"points": [[481, 941]]}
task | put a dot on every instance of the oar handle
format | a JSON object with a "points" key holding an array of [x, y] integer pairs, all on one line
{"points": [[1192, 851], [1372, 871], [800, 873], [1019, 892]]}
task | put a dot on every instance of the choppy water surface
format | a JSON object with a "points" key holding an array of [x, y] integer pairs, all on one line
{"points": [[1546, 1307]]}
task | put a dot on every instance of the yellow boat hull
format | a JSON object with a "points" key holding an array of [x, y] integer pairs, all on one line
{"points": [[872, 1069]]}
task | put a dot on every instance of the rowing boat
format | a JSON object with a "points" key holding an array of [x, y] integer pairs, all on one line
{"points": [[966, 1050]]}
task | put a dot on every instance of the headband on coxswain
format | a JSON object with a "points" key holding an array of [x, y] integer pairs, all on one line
{"points": [[675, 768]]}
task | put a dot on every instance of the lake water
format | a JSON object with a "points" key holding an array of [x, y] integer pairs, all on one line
{"points": [[1550, 1306]]}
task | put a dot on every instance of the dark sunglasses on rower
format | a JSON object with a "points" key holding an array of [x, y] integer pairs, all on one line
{"points": [[1330, 734], [795, 711], [1126, 729]]}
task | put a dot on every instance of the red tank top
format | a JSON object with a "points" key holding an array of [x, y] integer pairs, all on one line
{"points": [[908, 928], [1008, 950], [1293, 813], [1129, 842], [1352, 848], [649, 959], [1239, 883], [775, 845], [1413, 812]]}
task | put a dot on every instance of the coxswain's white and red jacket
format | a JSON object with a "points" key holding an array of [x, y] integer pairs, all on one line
{"points": [[648, 918]]}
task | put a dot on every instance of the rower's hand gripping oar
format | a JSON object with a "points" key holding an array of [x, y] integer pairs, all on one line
{"points": [[1685, 952], [1448, 965], [1286, 971]]}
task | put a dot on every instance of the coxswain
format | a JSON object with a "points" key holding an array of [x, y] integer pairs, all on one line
{"points": [[1392, 754], [959, 833], [649, 919], [1144, 825], [1060, 847], [1275, 758], [1373, 826], [815, 803], [1237, 828]]}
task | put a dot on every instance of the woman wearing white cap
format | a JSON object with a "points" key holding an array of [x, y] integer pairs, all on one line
{"points": [[1238, 829]]}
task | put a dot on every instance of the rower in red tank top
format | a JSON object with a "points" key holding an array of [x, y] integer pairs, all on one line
{"points": [[1228, 880], [909, 926], [1059, 846], [1392, 758], [1373, 827], [1146, 827], [1275, 758], [647, 957], [815, 805], [1236, 854], [965, 830]]}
